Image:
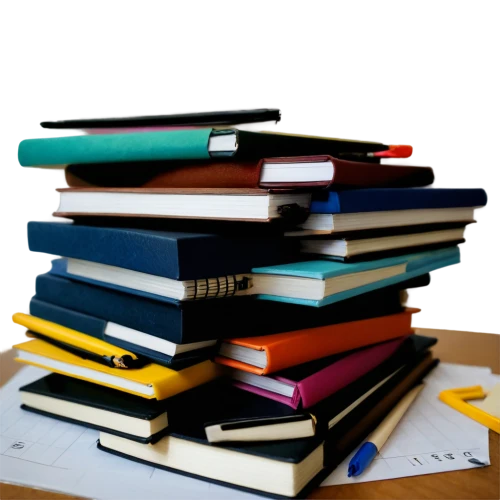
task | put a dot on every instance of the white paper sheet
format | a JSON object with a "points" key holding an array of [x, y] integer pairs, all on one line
{"points": [[431, 437]]}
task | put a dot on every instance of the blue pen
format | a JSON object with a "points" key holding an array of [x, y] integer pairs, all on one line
{"points": [[368, 450]]}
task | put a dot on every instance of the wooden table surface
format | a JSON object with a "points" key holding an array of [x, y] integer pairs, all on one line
{"points": [[454, 347]]}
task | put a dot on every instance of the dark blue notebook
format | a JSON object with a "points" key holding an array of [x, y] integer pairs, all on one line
{"points": [[170, 254], [380, 200], [96, 327], [180, 322], [196, 321]]}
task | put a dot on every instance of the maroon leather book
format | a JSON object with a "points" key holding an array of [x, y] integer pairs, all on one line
{"points": [[288, 172]]}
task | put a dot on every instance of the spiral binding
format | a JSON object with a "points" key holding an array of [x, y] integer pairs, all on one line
{"points": [[225, 286]]}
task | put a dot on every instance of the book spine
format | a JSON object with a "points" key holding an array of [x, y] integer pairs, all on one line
{"points": [[221, 287], [188, 378], [292, 402], [380, 200], [146, 146]]}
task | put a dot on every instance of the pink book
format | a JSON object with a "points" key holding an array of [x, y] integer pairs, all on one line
{"points": [[308, 384]]}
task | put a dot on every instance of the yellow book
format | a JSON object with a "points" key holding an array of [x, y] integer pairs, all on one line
{"points": [[151, 381]]}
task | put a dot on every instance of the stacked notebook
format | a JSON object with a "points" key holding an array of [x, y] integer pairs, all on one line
{"points": [[228, 304]]}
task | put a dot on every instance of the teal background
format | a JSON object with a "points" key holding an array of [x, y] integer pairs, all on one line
{"points": [[152, 59]]}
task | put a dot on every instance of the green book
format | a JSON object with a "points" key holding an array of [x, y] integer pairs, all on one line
{"points": [[192, 144]]}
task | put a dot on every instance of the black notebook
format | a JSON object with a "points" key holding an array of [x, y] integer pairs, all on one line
{"points": [[289, 468], [97, 407], [232, 414], [176, 120]]}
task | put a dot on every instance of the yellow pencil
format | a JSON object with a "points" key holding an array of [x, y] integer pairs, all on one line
{"points": [[73, 340]]}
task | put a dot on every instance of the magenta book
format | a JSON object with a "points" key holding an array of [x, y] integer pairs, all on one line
{"points": [[305, 385]]}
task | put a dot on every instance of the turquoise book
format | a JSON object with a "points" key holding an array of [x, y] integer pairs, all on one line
{"points": [[321, 282], [192, 144], [109, 148]]}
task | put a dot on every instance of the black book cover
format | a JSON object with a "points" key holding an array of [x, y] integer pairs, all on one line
{"points": [[370, 413], [256, 145], [181, 119], [219, 401], [95, 396]]}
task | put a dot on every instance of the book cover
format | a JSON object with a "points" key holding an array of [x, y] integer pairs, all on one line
{"points": [[192, 144], [416, 265], [242, 174], [178, 119], [288, 349], [170, 254], [383, 199], [268, 144], [230, 405], [172, 145], [327, 268], [333, 447], [162, 382], [96, 327], [60, 387], [316, 380], [187, 322]]}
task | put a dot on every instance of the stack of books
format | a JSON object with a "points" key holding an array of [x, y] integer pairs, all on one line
{"points": [[229, 304]]}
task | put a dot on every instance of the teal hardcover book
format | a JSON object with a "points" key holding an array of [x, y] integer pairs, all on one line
{"points": [[192, 144], [107, 148], [415, 265]]}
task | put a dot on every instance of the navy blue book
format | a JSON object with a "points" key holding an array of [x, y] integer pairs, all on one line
{"points": [[341, 212], [386, 199], [154, 349], [169, 254], [199, 321]]}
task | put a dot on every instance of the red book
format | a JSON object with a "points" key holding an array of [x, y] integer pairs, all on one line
{"points": [[293, 172]]}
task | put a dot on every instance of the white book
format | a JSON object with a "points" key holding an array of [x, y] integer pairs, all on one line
{"points": [[332, 223], [346, 247], [230, 204], [249, 284]]}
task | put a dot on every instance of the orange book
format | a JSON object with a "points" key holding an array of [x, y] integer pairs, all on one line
{"points": [[272, 353]]}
